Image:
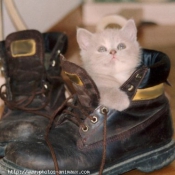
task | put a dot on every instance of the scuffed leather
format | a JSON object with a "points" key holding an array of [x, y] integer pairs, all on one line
{"points": [[144, 126], [19, 124]]}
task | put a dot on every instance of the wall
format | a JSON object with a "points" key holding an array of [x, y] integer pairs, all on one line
{"points": [[162, 13], [39, 14]]}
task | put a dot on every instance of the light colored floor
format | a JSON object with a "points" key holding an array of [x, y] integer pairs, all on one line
{"points": [[161, 38]]}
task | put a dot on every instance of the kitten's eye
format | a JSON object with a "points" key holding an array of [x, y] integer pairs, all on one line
{"points": [[102, 49], [121, 46]]}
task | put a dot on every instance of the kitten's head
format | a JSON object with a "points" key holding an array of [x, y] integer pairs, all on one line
{"points": [[110, 51]]}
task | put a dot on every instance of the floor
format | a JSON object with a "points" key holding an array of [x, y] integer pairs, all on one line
{"points": [[150, 36]]}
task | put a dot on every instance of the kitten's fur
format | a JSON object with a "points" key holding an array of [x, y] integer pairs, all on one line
{"points": [[108, 69]]}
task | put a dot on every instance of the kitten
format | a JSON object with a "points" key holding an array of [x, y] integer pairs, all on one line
{"points": [[110, 57]]}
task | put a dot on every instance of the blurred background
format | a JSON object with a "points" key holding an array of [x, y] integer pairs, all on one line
{"points": [[67, 15], [44, 15]]}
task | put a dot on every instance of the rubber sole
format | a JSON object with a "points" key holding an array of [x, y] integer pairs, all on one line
{"points": [[145, 162]]}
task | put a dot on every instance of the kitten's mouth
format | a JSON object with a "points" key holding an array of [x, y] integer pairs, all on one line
{"points": [[115, 58]]}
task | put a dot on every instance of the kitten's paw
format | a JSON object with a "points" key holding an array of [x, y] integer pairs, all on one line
{"points": [[122, 104], [119, 102]]}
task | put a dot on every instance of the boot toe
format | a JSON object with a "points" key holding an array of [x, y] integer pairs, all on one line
{"points": [[23, 127]]}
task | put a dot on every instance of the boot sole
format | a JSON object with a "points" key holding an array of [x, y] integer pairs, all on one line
{"points": [[145, 162]]}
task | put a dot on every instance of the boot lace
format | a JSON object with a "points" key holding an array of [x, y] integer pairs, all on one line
{"points": [[25, 101], [73, 113]]}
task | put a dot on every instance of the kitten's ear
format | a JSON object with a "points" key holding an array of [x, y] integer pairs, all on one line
{"points": [[130, 30], [83, 38]]}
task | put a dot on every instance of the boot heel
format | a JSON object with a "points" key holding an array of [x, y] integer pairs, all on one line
{"points": [[158, 158]]}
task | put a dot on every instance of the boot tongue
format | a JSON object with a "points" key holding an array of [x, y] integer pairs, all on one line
{"points": [[27, 44], [25, 57], [85, 87]]}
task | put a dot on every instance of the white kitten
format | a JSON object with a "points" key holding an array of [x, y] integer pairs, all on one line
{"points": [[110, 57]]}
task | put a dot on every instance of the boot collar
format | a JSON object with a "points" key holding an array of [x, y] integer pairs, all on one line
{"points": [[147, 81], [158, 65]]}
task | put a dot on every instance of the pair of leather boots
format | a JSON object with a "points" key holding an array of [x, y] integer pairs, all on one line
{"points": [[42, 133]]}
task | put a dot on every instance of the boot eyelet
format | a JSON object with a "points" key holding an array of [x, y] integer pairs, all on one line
{"points": [[5, 95], [58, 52], [94, 119], [45, 85], [85, 129], [130, 88], [104, 110], [53, 63], [138, 77], [2, 71]]}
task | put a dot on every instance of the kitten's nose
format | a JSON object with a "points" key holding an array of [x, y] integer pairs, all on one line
{"points": [[113, 52]]}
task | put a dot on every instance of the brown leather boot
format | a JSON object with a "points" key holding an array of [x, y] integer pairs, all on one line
{"points": [[34, 88], [90, 139]]}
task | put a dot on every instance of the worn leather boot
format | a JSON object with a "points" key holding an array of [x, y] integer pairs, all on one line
{"points": [[34, 88], [90, 139]]}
